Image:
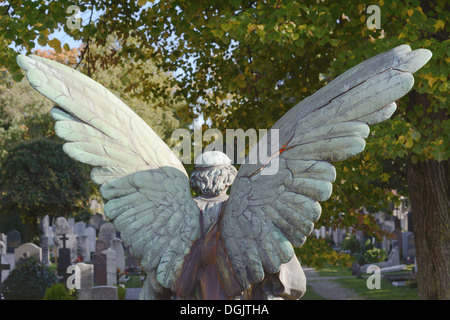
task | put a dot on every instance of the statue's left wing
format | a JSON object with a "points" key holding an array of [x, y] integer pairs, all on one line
{"points": [[270, 212], [145, 183]]}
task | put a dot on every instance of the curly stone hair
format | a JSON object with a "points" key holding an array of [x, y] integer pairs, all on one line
{"points": [[212, 181]]}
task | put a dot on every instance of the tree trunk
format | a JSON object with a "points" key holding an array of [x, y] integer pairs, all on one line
{"points": [[428, 188], [428, 184]]}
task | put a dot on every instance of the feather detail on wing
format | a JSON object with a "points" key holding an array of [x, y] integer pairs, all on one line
{"points": [[266, 213], [145, 183]]}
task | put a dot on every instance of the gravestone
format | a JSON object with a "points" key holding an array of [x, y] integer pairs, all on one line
{"points": [[2, 247], [4, 267], [409, 249], [100, 275], [80, 228], [323, 232], [111, 269], [84, 248], [71, 244], [91, 233], [27, 251], [117, 246], [131, 262], [14, 240], [71, 222], [86, 280], [3, 238], [87, 291], [63, 257], [45, 250], [104, 293], [97, 220], [107, 232], [100, 246], [61, 226]]}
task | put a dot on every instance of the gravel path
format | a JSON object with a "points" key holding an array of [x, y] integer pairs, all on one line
{"points": [[132, 293], [325, 287]]}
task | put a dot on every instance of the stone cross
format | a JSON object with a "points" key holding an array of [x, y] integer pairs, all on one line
{"points": [[64, 257], [64, 238]]}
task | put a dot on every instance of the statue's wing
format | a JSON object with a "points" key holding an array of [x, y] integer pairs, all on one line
{"points": [[145, 183], [268, 213]]}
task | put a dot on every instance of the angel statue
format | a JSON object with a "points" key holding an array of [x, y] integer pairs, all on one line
{"points": [[220, 246]]}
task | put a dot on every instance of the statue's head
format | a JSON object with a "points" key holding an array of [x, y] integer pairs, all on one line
{"points": [[213, 174]]}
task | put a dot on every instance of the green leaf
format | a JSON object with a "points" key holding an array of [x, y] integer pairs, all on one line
{"points": [[235, 3], [225, 27]]}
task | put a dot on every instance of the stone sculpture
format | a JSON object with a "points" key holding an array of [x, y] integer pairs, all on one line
{"points": [[218, 246]]}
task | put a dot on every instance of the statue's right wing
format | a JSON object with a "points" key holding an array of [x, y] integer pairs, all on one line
{"points": [[145, 183], [267, 214]]}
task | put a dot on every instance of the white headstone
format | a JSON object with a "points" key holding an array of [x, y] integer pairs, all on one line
{"points": [[117, 245], [107, 232], [79, 228], [86, 280], [92, 234], [2, 247], [51, 233], [61, 226], [84, 247], [71, 222], [26, 251], [111, 269], [45, 250], [45, 225]]}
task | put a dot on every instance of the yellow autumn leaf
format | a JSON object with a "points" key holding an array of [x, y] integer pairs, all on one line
{"points": [[431, 79], [409, 143], [410, 12], [46, 32], [439, 25], [55, 44]]}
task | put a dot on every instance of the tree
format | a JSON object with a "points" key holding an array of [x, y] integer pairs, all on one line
{"points": [[245, 63], [37, 178]]}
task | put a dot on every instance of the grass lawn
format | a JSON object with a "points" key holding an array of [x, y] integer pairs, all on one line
{"points": [[386, 292], [134, 282]]}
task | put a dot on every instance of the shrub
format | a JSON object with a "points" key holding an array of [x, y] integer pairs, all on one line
{"points": [[375, 255], [28, 281], [122, 292], [57, 292], [351, 243]]}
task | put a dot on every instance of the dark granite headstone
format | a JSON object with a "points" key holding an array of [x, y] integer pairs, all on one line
{"points": [[63, 257], [14, 240], [99, 262]]}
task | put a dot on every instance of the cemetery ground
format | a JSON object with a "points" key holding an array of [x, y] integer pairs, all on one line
{"points": [[104, 263], [337, 283], [330, 283]]}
